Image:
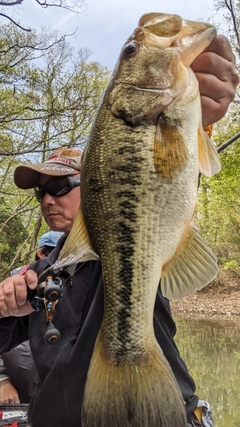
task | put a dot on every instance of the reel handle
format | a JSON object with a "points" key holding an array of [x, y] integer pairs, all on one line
{"points": [[52, 334]]}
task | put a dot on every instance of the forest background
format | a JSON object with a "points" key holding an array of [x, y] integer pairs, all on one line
{"points": [[49, 93]]}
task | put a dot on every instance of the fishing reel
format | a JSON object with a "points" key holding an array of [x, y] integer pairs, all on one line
{"points": [[45, 298]]}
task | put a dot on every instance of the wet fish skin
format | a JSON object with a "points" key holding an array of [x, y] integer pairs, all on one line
{"points": [[139, 183]]}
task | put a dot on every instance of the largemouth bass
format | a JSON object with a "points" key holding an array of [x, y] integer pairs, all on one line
{"points": [[139, 181]]}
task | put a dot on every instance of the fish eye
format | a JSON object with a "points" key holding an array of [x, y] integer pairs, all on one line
{"points": [[130, 49]]}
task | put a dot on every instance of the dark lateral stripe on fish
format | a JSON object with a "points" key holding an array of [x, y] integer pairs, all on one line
{"points": [[129, 195], [124, 181], [131, 216], [128, 175], [129, 168], [126, 149], [125, 246]]}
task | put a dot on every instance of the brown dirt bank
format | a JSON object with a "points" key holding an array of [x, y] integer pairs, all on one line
{"points": [[219, 300]]}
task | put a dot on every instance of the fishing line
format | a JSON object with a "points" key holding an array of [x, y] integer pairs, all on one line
{"points": [[58, 271]]}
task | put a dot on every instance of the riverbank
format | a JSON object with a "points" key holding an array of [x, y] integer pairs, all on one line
{"points": [[219, 300]]}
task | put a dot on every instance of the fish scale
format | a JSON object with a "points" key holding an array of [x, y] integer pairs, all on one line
{"points": [[139, 180]]}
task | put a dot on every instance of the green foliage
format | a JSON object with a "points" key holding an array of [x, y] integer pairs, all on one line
{"points": [[13, 233], [45, 107], [218, 210], [49, 95]]}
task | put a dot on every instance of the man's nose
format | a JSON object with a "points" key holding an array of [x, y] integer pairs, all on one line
{"points": [[48, 199]]}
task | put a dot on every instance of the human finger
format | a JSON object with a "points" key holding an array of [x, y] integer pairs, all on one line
{"points": [[216, 97], [21, 287], [13, 295], [217, 78], [222, 47], [8, 303]]}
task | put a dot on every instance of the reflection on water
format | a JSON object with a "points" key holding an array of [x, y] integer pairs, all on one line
{"points": [[211, 350]]}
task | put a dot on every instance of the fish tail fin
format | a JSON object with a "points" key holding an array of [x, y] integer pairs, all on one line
{"points": [[192, 267], [137, 395], [77, 247]]}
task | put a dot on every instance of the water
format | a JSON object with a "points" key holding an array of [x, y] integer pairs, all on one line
{"points": [[211, 350]]}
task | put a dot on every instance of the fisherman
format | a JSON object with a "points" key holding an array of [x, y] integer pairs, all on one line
{"points": [[62, 367], [18, 376]]}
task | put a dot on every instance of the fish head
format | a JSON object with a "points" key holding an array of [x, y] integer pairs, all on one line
{"points": [[153, 67]]}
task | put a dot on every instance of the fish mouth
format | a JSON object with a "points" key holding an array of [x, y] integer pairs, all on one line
{"points": [[165, 31], [169, 30]]}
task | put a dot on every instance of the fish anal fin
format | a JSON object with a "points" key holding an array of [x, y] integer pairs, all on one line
{"points": [[77, 247], [209, 163], [143, 394], [170, 151], [192, 267]]}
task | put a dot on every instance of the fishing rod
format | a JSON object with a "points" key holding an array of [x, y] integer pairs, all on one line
{"points": [[226, 144]]}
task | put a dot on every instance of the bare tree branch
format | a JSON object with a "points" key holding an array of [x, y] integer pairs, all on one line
{"points": [[14, 22], [230, 6], [75, 6], [13, 3]]}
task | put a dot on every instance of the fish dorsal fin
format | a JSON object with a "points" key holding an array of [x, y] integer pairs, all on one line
{"points": [[77, 247], [209, 163], [193, 266], [170, 151]]}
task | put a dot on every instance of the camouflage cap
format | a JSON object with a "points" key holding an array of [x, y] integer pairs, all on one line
{"points": [[63, 162]]}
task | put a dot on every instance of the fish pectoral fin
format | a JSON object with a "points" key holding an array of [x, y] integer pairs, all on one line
{"points": [[209, 163], [193, 266], [170, 150], [77, 247]]}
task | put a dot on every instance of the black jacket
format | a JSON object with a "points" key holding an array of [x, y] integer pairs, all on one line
{"points": [[62, 367]]}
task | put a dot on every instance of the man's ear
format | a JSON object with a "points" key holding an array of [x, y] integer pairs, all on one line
{"points": [[40, 254]]}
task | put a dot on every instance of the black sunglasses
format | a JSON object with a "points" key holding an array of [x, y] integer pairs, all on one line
{"points": [[56, 186]]}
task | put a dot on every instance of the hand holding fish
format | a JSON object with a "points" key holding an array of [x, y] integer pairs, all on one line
{"points": [[13, 294], [217, 78]]}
